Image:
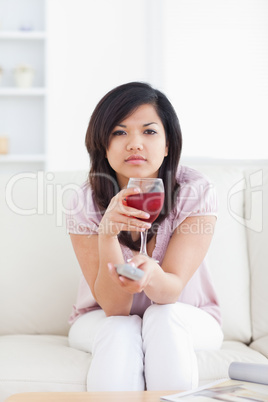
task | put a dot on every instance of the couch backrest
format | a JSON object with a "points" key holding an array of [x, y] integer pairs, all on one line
{"points": [[40, 274], [228, 256], [39, 271], [239, 251]]}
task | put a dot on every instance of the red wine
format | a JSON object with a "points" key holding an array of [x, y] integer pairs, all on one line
{"points": [[151, 203]]}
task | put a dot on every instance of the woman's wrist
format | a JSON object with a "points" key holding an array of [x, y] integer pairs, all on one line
{"points": [[109, 249], [104, 233], [155, 277], [163, 287]]}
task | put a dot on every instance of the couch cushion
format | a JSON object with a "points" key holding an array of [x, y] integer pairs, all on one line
{"points": [[215, 364], [42, 363], [38, 269], [31, 363], [257, 224], [228, 255]]}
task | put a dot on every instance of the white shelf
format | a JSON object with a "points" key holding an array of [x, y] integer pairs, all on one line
{"points": [[23, 35], [34, 91], [31, 158], [23, 110]]}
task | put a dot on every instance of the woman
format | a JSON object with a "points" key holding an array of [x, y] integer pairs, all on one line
{"points": [[142, 334]]}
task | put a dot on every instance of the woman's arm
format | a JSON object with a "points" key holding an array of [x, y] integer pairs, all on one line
{"points": [[94, 252], [186, 250], [112, 299]]}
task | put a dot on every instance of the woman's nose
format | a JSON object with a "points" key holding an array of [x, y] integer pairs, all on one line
{"points": [[135, 143], [135, 147]]}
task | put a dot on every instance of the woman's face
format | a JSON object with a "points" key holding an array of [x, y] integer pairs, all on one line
{"points": [[138, 145]]}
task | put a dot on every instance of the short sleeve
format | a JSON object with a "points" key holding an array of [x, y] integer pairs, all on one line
{"points": [[196, 197], [82, 216]]}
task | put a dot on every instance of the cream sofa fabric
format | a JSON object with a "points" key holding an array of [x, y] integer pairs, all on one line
{"points": [[39, 277]]}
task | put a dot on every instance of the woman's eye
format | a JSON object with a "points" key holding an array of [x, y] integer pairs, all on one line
{"points": [[119, 132], [149, 132]]}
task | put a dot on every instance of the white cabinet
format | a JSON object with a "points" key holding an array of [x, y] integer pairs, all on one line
{"points": [[22, 104]]}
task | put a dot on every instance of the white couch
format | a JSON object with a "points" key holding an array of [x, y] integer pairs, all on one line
{"points": [[40, 275]]}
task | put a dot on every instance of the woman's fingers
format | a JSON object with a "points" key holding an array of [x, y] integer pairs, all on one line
{"points": [[131, 225], [129, 211], [119, 217], [132, 221], [114, 225], [130, 191], [140, 260], [129, 285]]}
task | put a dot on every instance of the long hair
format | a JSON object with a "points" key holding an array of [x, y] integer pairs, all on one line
{"points": [[112, 109]]}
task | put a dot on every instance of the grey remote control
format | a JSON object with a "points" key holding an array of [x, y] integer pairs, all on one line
{"points": [[129, 271]]}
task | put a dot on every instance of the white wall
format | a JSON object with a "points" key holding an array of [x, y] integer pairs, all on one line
{"points": [[216, 74], [92, 47], [209, 56]]}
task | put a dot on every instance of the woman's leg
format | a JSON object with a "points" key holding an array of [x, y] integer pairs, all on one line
{"points": [[117, 356], [116, 346], [171, 334], [84, 329]]}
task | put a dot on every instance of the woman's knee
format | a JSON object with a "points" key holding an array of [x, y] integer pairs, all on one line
{"points": [[119, 330], [83, 331], [122, 326], [160, 314]]}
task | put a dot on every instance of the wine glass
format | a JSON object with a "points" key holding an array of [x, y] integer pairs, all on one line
{"points": [[150, 200]]}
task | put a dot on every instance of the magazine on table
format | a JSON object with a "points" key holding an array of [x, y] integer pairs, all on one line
{"points": [[247, 382]]}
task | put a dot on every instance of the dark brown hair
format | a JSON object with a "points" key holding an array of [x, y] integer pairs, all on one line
{"points": [[112, 109]]}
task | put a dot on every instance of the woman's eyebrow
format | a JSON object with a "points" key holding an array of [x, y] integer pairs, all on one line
{"points": [[144, 125], [148, 124]]}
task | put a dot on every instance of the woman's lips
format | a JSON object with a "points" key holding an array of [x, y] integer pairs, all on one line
{"points": [[135, 159]]}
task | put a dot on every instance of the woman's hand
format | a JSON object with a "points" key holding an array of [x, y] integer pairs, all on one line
{"points": [[119, 216], [147, 264]]}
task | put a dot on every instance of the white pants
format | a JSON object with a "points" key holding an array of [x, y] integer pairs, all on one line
{"points": [[156, 352]]}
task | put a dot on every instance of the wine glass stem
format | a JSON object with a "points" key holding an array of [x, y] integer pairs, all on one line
{"points": [[143, 249]]}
